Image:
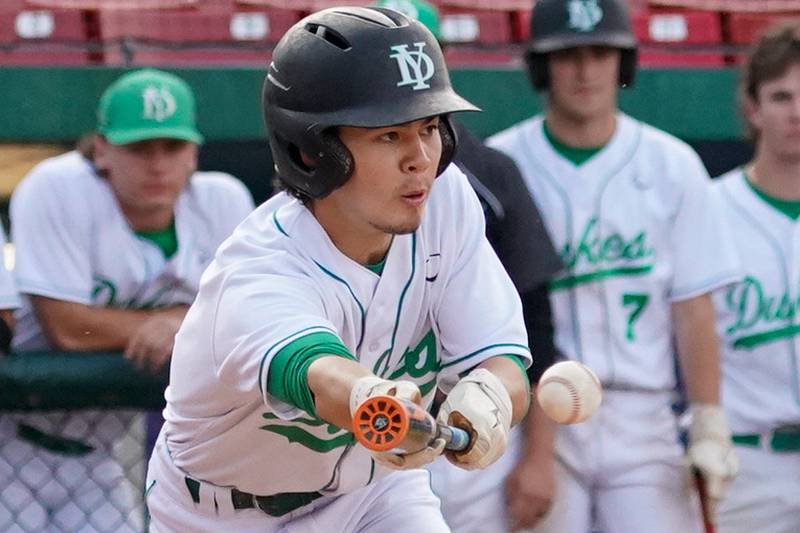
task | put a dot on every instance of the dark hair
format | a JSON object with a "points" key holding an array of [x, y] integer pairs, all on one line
{"points": [[278, 184], [769, 58], [771, 55]]}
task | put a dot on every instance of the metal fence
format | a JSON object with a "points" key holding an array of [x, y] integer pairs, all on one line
{"points": [[74, 443]]}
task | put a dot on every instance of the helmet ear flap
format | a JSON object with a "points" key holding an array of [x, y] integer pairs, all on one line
{"points": [[449, 142], [538, 72], [627, 67], [333, 164]]}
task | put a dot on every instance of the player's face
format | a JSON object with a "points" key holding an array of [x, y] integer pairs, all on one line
{"points": [[147, 175], [394, 171], [583, 82], [775, 115]]}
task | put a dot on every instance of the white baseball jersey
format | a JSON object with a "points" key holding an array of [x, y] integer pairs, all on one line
{"points": [[9, 297], [73, 242], [636, 231], [757, 318], [442, 305]]}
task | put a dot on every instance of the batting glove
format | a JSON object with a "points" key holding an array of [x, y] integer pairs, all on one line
{"points": [[369, 386], [480, 404], [711, 449]]}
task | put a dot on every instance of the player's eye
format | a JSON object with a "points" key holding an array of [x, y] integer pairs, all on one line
{"points": [[431, 128], [389, 136]]}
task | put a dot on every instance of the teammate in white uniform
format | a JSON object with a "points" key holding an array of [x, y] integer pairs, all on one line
{"points": [[758, 317], [373, 279], [630, 209], [109, 255], [9, 301]]}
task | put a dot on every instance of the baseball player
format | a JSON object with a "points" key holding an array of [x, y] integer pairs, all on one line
{"points": [[631, 210], [369, 275], [757, 318], [109, 253]]}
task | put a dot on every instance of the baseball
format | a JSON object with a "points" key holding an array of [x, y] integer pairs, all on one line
{"points": [[569, 392]]}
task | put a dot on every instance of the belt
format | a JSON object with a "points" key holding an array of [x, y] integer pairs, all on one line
{"points": [[274, 505], [783, 439]]}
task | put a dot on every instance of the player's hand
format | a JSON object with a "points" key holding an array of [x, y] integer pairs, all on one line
{"points": [[406, 461], [481, 405], [151, 345], [369, 386], [530, 489], [710, 450]]}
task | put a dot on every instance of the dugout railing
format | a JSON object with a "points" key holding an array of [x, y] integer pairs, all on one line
{"points": [[54, 384]]}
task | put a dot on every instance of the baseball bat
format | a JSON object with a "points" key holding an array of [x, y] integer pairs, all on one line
{"points": [[385, 423], [705, 508]]}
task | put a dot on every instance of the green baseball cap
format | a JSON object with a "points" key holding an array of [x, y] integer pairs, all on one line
{"points": [[419, 10], [147, 104]]}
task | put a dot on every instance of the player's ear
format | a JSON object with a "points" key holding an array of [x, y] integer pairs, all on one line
{"points": [[100, 152], [751, 110]]}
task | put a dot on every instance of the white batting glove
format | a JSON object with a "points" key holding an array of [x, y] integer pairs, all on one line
{"points": [[480, 404], [711, 449], [369, 386]]}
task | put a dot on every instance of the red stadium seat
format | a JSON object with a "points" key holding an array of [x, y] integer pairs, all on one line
{"points": [[733, 6], [745, 28], [676, 38], [41, 36], [212, 34]]}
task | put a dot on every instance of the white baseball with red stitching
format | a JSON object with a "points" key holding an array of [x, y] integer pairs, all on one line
{"points": [[569, 392]]}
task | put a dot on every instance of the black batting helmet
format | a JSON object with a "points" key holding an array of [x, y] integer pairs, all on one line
{"points": [[351, 66], [562, 24]]}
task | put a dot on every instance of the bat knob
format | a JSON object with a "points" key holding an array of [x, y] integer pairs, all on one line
{"points": [[380, 423]]}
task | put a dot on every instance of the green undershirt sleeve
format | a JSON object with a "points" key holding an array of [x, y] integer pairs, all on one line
{"points": [[521, 364], [288, 371]]}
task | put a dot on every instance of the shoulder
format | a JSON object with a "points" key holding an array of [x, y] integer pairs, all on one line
{"points": [[662, 145], [67, 180], [510, 138]]}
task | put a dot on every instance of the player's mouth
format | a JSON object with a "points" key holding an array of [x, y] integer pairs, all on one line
{"points": [[415, 198]]}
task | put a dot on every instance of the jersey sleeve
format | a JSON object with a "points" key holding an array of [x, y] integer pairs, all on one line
{"points": [[256, 318], [51, 236], [703, 250], [479, 314]]}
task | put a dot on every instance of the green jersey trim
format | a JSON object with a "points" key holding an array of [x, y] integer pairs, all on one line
{"points": [[490, 347], [384, 358], [588, 277], [165, 239], [377, 268], [790, 208], [353, 294], [278, 224], [575, 155], [287, 378]]}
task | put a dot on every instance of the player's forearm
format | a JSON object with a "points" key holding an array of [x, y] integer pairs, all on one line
{"points": [[331, 379], [78, 327], [515, 382], [698, 348]]}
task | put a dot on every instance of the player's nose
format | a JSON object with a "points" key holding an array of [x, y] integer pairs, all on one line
{"points": [[419, 155]]}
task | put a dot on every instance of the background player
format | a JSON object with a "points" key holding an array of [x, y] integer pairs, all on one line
{"points": [[374, 279], [629, 207], [109, 253], [757, 318]]}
